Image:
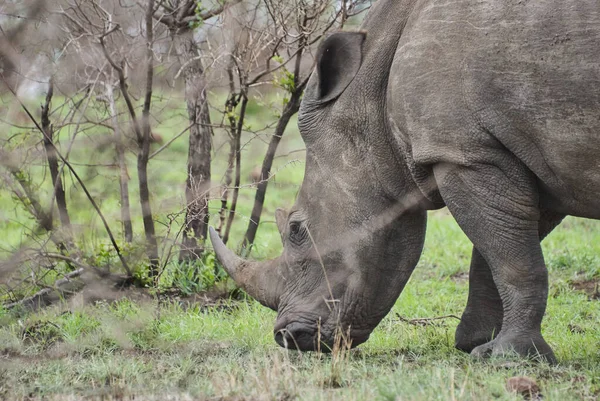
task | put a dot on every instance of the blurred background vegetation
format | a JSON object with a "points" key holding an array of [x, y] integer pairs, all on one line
{"points": [[128, 127]]}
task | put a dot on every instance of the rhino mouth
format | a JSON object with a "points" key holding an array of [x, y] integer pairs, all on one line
{"points": [[302, 337]]}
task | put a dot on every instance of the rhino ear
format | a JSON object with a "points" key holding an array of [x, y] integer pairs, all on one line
{"points": [[281, 217], [338, 60]]}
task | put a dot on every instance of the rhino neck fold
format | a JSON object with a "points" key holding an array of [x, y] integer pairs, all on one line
{"points": [[384, 25]]}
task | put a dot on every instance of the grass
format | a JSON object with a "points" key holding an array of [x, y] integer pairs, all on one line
{"points": [[160, 349]]}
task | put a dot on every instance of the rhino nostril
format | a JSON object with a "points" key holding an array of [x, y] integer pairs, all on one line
{"points": [[286, 339], [280, 338], [296, 336]]}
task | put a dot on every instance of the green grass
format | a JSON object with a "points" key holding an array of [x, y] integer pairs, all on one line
{"points": [[152, 349]]}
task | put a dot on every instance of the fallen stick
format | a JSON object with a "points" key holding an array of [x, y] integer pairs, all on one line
{"points": [[37, 298], [424, 321]]}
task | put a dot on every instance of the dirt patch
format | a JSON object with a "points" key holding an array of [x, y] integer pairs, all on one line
{"points": [[590, 287], [460, 277]]}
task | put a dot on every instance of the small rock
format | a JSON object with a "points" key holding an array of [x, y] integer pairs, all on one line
{"points": [[525, 386]]}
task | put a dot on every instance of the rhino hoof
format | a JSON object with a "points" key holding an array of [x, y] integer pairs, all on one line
{"points": [[533, 347]]}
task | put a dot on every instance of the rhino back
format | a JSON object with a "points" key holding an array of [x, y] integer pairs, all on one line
{"points": [[471, 79]]}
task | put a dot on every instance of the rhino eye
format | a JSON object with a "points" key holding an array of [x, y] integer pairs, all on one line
{"points": [[297, 233]]}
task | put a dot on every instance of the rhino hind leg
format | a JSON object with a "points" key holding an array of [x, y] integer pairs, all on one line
{"points": [[482, 317], [496, 204]]}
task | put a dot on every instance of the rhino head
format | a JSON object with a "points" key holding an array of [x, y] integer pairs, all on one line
{"points": [[356, 231]]}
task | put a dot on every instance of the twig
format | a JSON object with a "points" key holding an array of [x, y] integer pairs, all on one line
{"points": [[236, 189], [290, 153], [169, 142], [424, 321]]}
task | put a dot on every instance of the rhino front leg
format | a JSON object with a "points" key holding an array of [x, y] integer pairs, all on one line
{"points": [[497, 206], [482, 318]]}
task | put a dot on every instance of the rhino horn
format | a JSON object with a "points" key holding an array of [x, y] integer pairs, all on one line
{"points": [[259, 279]]}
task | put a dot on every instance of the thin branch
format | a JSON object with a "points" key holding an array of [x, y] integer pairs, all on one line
{"points": [[169, 142], [123, 87], [424, 321], [238, 159], [79, 180]]}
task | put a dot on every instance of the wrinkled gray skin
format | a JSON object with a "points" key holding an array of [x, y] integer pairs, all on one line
{"points": [[489, 108]]}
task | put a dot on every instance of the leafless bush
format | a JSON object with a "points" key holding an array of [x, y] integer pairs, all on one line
{"points": [[121, 84]]}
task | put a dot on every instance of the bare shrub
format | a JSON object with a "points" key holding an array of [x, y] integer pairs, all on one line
{"points": [[122, 85]]}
